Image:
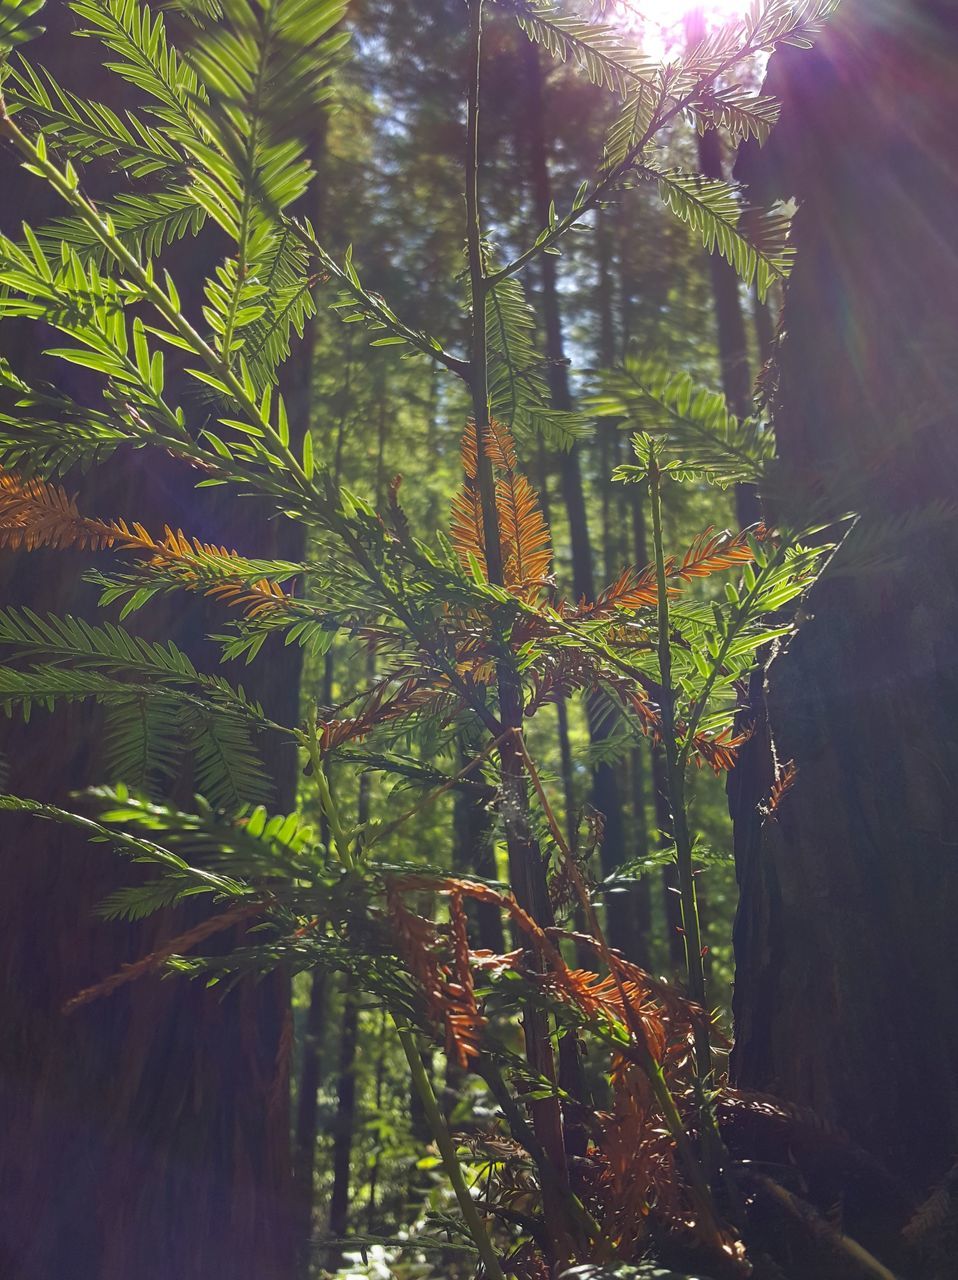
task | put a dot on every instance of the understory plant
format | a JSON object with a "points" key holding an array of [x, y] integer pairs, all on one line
{"points": [[603, 1079]]}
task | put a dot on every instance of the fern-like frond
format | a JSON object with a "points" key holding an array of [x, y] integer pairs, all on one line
{"points": [[142, 55], [85, 129], [525, 535], [600, 51], [228, 769], [44, 433], [76, 645], [744, 114], [34, 513], [145, 224], [712, 552], [518, 394], [17, 24], [287, 302], [142, 743], [753, 241], [525, 538], [691, 424]]}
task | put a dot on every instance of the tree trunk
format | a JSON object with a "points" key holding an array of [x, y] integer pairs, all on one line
{"points": [[621, 922], [847, 971], [146, 1134], [345, 1112], [729, 316]]}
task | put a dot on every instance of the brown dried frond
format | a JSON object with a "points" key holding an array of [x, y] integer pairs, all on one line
{"points": [[401, 692], [256, 598], [418, 943], [593, 993], [465, 525], [533, 931], [491, 962], [469, 450], [632, 589], [783, 783], [712, 552], [681, 1013], [526, 541], [189, 559], [448, 991], [500, 447], [636, 1156], [719, 752], [156, 959], [36, 514], [524, 534], [463, 1020], [558, 674], [536, 935], [636, 700]]}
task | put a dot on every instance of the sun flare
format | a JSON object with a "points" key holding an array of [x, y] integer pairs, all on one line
{"points": [[668, 12], [660, 23]]}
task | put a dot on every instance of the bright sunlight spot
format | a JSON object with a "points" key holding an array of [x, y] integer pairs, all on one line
{"points": [[661, 21], [667, 12]]}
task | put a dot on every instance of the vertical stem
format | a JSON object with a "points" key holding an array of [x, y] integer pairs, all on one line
{"points": [[479, 377], [526, 869], [447, 1151], [675, 779]]}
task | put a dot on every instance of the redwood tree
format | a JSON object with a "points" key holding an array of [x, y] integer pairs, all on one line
{"points": [[146, 1134], [846, 965]]}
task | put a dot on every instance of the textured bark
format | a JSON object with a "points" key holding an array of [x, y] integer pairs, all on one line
{"points": [[846, 967], [147, 1134]]}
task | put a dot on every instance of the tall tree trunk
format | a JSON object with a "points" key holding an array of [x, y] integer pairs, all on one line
{"points": [[345, 1112], [147, 1134], [621, 922], [380, 1084], [304, 1149], [617, 550], [729, 315], [847, 972]]}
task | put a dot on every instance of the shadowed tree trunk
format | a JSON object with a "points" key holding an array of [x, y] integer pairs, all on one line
{"points": [[345, 1112], [146, 1134], [847, 972]]}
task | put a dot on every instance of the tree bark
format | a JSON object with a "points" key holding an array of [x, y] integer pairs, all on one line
{"points": [[146, 1134], [846, 966]]}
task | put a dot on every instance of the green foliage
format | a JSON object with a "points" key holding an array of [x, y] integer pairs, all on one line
{"points": [[752, 241], [16, 25], [451, 647], [598, 50], [518, 394], [692, 425]]}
